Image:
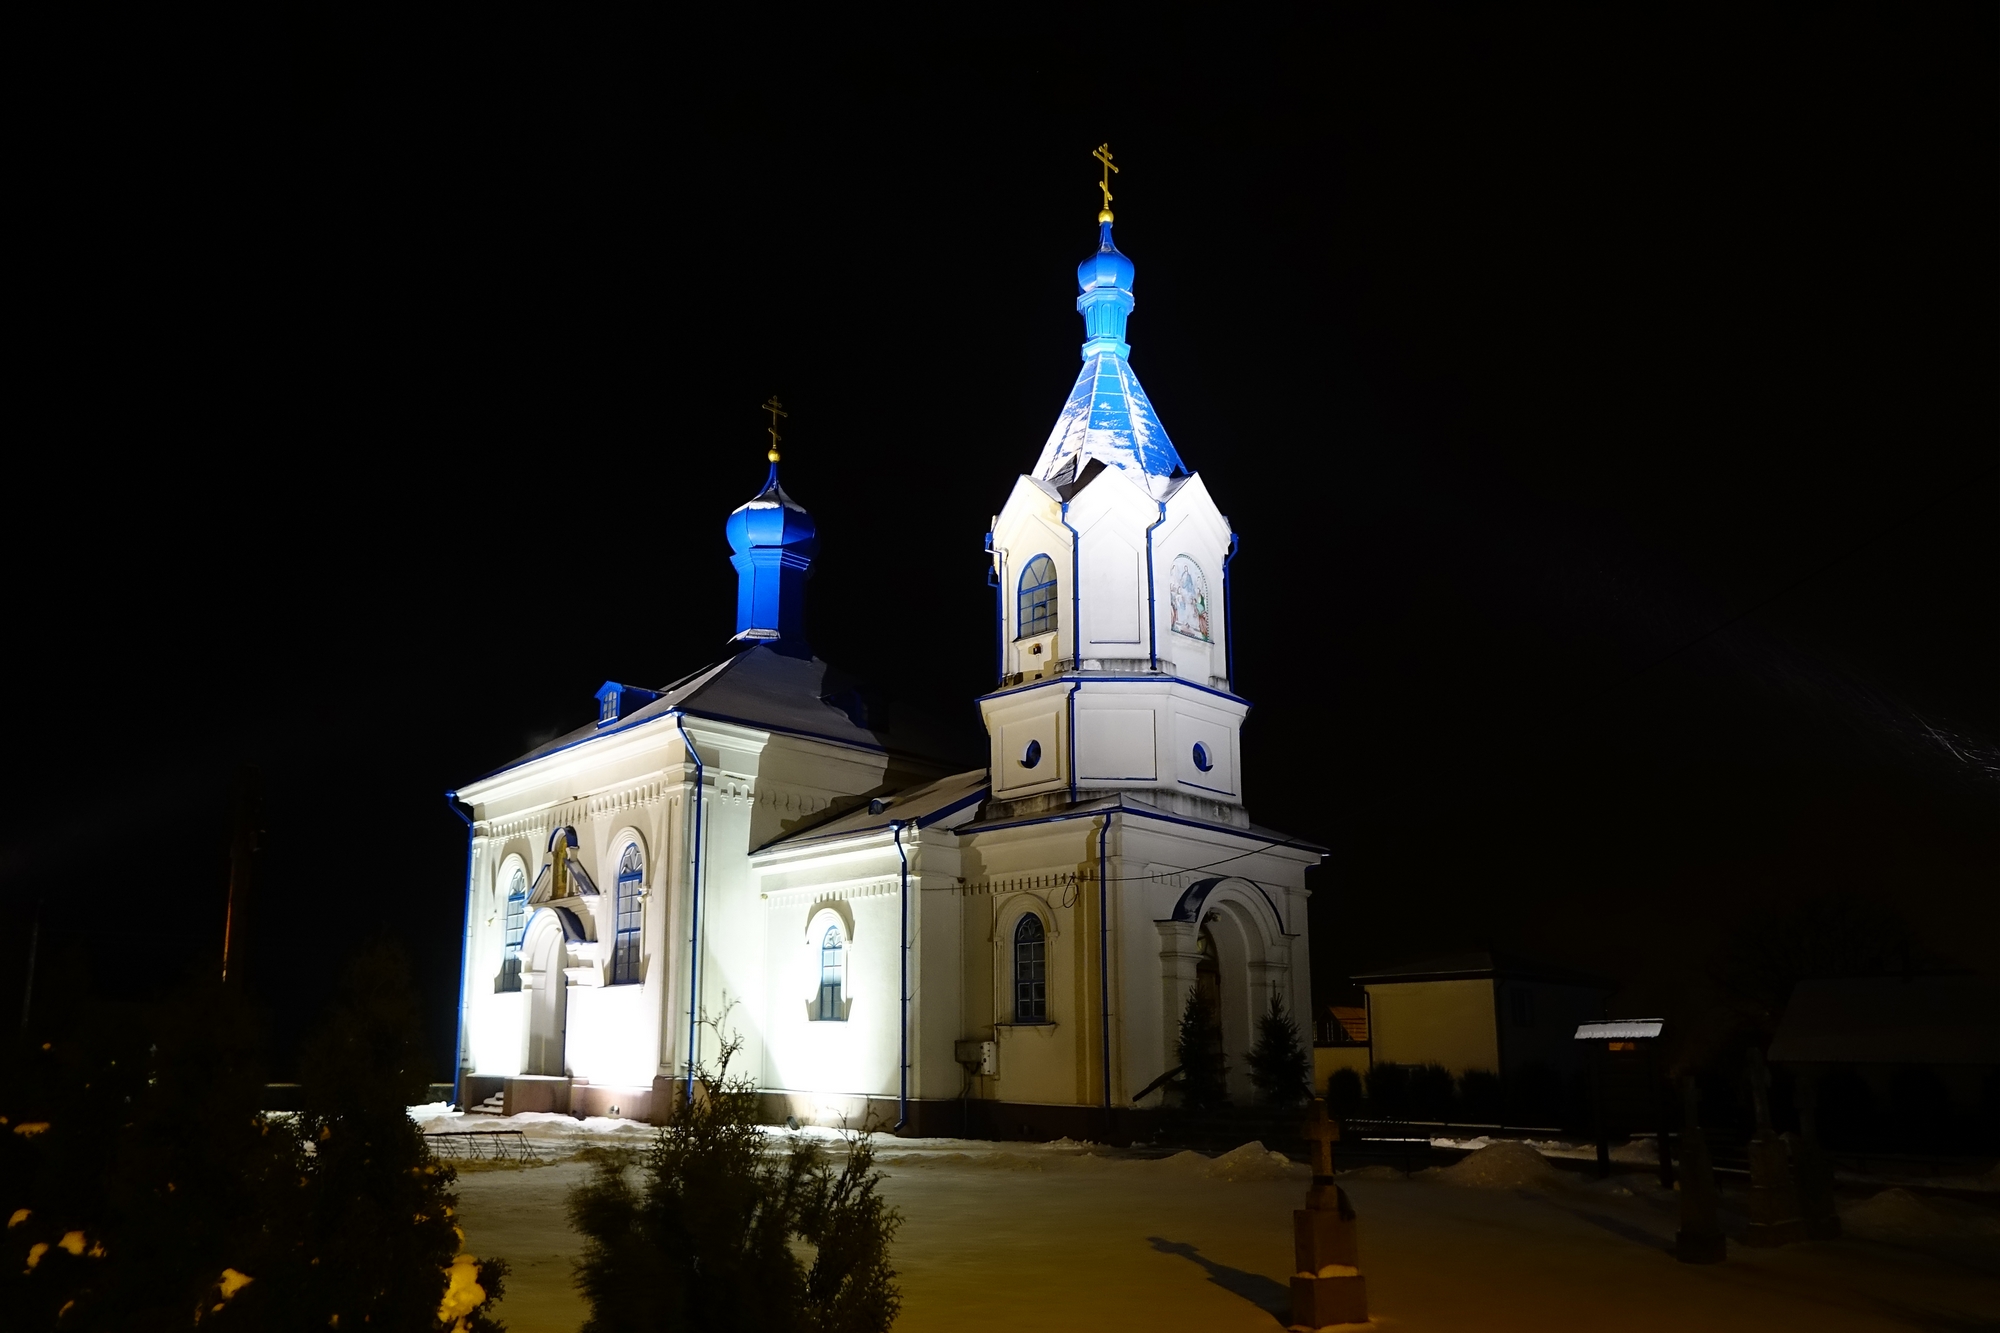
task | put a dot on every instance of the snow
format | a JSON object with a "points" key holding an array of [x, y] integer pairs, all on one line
{"points": [[1072, 1235]]}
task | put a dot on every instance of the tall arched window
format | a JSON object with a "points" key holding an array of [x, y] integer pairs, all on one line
{"points": [[1038, 597], [1031, 971], [831, 960], [515, 921], [625, 948]]}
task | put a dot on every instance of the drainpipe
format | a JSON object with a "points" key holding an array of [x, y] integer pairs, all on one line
{"points": [[999, 612], [1152, 609], [464, 959], [1229, 621], [694, 910], [1104, 961], [903, 1085], [1075, 593]]}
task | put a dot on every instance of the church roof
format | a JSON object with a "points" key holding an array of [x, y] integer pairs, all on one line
{"points": [[1108, 418], [763, 688], [919, 806]]}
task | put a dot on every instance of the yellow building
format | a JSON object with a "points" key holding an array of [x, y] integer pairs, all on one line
{"points": [[1481, 1011]]}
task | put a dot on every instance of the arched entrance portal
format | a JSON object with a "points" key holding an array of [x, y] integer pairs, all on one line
{"points": [[544, 955], [1226, 940]]}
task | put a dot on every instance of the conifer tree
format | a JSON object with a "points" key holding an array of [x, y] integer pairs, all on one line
{"points": [[1204, 1071], [705, 1239], [1279, 1065]]}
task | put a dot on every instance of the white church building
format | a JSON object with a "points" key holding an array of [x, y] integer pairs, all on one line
{"points": [[1004, 951]]}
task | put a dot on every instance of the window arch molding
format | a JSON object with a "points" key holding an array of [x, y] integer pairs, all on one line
{"points": [[510, 917], [627, 906], [1006, 926], [1035, 611], [837, 917]]}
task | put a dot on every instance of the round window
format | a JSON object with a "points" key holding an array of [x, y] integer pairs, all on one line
{"points": [[1202, 759], [1032, 755]]}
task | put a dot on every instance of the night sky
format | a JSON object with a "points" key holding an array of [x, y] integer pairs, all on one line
{"points": [[1605, 402]]}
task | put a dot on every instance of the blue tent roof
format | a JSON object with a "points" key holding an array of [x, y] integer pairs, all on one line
{"points": [[1108, 417]]}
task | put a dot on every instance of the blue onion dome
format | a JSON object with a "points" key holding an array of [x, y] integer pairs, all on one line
{"points": [[772, 518], [1107, 268]]}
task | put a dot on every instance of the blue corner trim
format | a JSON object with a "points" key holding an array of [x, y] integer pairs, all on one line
{"points": [[1075, 592], [1152, 608], [1090, 677], [903, 1058], [694, 907], [1104, 953], [1188, 908], [464, 957], [1229, 617]]}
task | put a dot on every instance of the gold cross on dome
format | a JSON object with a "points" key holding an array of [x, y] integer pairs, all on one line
{"points": [[776, 410], [1103, 154]]}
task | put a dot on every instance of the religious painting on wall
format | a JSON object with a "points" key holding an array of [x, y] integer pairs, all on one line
{"points": [[1187, 595]]}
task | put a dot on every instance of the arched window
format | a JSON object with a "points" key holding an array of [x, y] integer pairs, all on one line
{"points": [[831, 960], [511, 927], [1031, 971], [1038, 597], [625, 948]]}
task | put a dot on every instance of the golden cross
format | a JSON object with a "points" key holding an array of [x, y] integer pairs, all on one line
{"points": [[1103, 154], [776, 411]]}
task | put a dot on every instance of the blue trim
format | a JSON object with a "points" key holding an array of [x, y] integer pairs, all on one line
{"points": [[1075, 592], [1072, 739], [694, 906], [1228, 617], [1094, 676], [1269, 845], [1104, 957], [567, 921], [1152, 608], [464, 958], [1219, 791], [994, 582], [903, 1085], [1023, 590], [1188, 908]]}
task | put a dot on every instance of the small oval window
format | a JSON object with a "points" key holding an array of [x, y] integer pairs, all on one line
{"points": [[1032, 755], [1202, 760]]}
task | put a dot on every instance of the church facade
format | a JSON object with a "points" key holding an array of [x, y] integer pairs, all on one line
{"points": [[750, 854]]}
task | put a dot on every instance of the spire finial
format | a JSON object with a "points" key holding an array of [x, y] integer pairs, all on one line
{"points": [[1103, 154], [776, 410]]}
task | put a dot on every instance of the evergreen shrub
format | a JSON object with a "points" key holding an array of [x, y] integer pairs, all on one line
{"points": [[729, 1229], [1280, 1065]]}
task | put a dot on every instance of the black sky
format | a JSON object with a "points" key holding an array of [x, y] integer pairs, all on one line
{"points": [[1605, 400]]}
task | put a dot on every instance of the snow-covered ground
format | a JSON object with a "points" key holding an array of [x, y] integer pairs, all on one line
{"points": [[1070, 1236]]}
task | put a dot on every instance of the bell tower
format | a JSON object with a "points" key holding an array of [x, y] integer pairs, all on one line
{"points": [[1111, 564]]}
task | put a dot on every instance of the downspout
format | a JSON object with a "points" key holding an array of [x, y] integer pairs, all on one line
{"points": [[903, 1083], [464, 959], [1075, 593], [1229, 621], [999, 612], [1076, 637], [1152, 607], [694, 910], [1104, 960]]}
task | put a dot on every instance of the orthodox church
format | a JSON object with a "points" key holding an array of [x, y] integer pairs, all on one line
{"points": [[748, 853]]}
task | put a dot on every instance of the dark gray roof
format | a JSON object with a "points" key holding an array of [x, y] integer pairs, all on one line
{"points": [[921, 806], [1891, 1021], [1480, 966], [764, 688]]}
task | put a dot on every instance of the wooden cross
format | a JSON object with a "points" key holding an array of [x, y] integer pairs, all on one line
{"points": [[1323, 1132], [1103, 154], [776, 411]]}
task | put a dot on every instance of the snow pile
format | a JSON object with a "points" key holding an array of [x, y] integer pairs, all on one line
{"points": [[1251, 1161], [1947, 1227], [1499, 1166], [432, 1111]]}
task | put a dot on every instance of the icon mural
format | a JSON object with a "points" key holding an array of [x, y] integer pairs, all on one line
{"points": [[1187, 595]]}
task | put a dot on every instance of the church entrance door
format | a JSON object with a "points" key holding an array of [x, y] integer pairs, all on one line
{"points": [[548, 995]]}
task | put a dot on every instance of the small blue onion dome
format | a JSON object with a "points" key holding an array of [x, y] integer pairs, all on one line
{"points": [[772, 518], [1107, 268]]}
